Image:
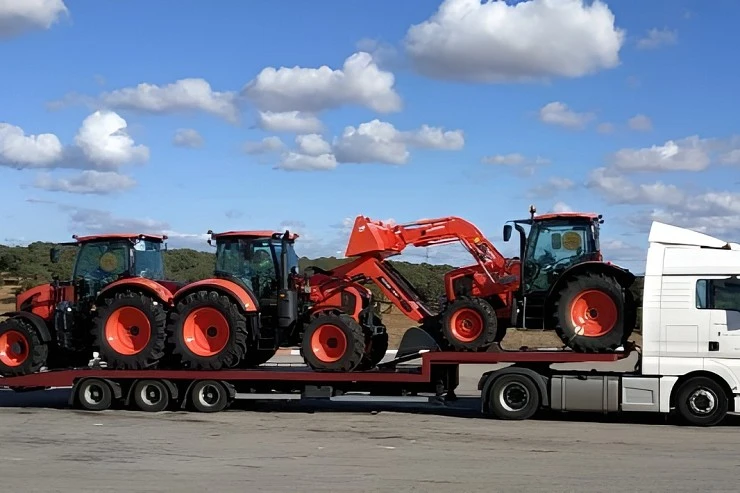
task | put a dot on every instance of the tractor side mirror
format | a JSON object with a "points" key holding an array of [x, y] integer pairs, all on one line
{"points": [[507, 232], [54, 255]]}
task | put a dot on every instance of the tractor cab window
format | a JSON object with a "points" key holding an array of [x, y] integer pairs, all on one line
{"points": [[250, 260], [102, 262], [148, 259], [292, 256], [554, 248]]}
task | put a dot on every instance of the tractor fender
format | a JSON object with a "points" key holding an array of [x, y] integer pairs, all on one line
{"points": [[488, 378], [138, 283], [242, 295], [623, 276], [38, 323]]}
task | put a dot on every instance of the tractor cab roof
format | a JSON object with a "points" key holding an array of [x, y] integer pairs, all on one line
{"points": [[255, 234], [572, 216], [117, 236]]}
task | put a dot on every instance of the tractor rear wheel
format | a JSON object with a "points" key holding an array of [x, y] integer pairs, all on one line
{"points": [[129, 330], [207, 331], [590, 314], [21, 349], [469, 324], [333, 343]]}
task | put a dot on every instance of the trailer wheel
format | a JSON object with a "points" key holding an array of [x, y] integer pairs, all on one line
{"points": [[129, 330], [207, 332], [589, 314], [333, 343], [21, 349], [701, 401], [514, 397], [94, 394], [469, 324], [208, 396], [151, 395]]}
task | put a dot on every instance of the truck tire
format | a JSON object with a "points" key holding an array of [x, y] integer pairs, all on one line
{"points": [[469, 324], [208, 396], [206, 331], [151, 395], [129, 330], [94, 394], [21, 350], [590, 314], [513, 397], [333, 343], [700, 401]]}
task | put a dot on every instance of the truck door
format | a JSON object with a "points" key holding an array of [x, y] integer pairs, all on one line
{"points": [[722, 303]]}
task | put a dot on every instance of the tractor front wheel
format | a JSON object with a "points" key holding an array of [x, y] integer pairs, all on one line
{"points": [[21, 349], [469, 324], [207, 331], [590, 314], [129, 330], [333, 343]]}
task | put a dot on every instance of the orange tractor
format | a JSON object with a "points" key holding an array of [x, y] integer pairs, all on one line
{"points": [[115, 303], [562, 283], [258, 301]]}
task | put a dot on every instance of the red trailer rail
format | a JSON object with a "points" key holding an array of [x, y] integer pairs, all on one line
{"points": [[213, 390]]}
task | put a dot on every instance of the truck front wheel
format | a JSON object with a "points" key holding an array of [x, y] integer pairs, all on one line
{"points": [[700, 401]]}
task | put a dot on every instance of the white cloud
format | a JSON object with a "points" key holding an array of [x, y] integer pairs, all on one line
{"points": [[561, 207], [436, 138], [468, 40], [187, 137], [730, 157], [359, 82], [655, 38], [103, 140], [312, 145], [617, 189], [184, 95], [295, 161], [551, 187], [20, 16], [688, 154], [289, 121], [640, 123], [87, 182], [28, 151], [264, 146], [558, 113]]}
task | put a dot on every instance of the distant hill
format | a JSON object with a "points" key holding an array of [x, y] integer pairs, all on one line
{"points": [[32, 265]]}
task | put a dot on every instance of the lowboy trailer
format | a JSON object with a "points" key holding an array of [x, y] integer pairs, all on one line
{"points": [[689, 362]]}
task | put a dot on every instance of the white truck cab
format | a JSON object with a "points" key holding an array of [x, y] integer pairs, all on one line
{"points": [[690, 355]]}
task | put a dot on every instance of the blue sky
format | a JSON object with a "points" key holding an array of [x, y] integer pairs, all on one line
{"points": [[470, 109]]}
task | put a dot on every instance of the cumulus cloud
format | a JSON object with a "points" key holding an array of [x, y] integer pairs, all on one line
{"points": [[551, 187], [640, 123], [359, 82], [516, 161], [87, 182], [558, 113], [187, 137], [296, 161], [474, 41], [101, 143], [18, 17], [688, 154], [264, 146], [655, 38], [561, 207], [289, 121]]}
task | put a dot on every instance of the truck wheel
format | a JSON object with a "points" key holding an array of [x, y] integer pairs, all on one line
{"points": [[94, 394], [151, 395], [21, 349], [333, 343], [469, 324], [590, 314], [208, 396], [701, 401], [207, 332], [129, 330], [514, 397]]}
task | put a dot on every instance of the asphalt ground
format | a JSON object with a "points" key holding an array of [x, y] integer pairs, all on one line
{"points": [[296, 447]]}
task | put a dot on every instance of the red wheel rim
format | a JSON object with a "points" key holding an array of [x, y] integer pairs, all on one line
{"points": [[467, 324], [14, 348], [328, 343], [593, 313], [206, 331], [128, 330]]}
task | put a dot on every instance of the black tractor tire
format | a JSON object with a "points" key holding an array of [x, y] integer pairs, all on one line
{"points": [[230, 334], [352, 340], [140, 308], [472, 312], [607, 301], [21, 338], [375, 350]]}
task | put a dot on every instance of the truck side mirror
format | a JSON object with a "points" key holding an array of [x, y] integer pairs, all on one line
{"points": [[507, 232], [54, 255]]}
